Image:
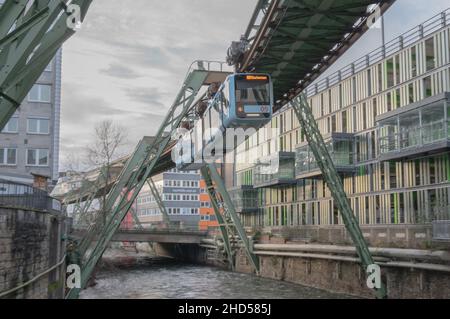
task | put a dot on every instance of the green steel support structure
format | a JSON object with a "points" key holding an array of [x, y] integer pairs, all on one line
{"points": [[88, 193], [229, 222], [223, 225], [31, 36], [334, 181], [136, 218], [29, 39], [138, 170]]}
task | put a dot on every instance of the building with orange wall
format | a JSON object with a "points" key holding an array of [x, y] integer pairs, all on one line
{"points": [[207, 217]]}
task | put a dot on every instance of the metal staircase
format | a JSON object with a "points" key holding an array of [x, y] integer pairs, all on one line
{"points": [[229, 222]]}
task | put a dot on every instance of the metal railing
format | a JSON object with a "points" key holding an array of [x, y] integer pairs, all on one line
{"points": [[210, 66], [432, 25], [309, 164], [415, 137], [22, 196]]}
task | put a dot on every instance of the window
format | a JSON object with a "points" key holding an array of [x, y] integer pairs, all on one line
{"points": [[375, 108], [333, 124], [12, 126], [38, 126], [389, 101], [414, 61], [37, 157], [397, 69], [411, 93], [205, 204], [380, 78], [390, 72], [364, 116], [398, 101], [8, 156], [430, 56], [427, 87], [40, 93], [344, 121]]}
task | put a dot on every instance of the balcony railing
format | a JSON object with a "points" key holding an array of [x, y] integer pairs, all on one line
{"points": [[416, 137], [278, 169], [340, 147], [26, 197], [422, 31]]}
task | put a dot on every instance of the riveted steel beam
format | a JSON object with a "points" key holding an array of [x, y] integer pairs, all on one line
{"points": [[29, 39]]}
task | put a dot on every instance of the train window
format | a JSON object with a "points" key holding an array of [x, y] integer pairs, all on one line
{"points": [[252, 91]]}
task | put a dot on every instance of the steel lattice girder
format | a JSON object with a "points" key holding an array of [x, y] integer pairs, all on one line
{"points": [[299, 35], [224, 230], [230, 224], [139, 168], [29, 39], [333, 180]]}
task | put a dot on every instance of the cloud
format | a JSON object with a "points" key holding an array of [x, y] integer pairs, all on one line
{"points": [[120, 71], [151, 97]]}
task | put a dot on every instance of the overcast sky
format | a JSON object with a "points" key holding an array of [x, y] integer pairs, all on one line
{"points": [[129, 59]]}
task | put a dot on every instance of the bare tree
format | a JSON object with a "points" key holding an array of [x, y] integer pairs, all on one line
{"points": [[108, 141]]}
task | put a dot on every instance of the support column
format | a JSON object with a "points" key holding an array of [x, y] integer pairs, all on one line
{"points": [[334, 181]]}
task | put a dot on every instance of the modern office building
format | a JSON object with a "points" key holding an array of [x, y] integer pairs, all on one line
{"points": [[182, 196], [29, 144], [386, 121]]}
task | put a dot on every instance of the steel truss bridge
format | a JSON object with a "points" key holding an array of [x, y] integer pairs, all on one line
{"points": [[293, 40]]}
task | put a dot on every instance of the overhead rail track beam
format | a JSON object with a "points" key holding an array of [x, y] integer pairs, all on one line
{"points": [[298, 40]]}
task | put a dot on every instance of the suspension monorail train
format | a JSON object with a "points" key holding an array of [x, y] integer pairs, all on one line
{"points": [[242, 101]]}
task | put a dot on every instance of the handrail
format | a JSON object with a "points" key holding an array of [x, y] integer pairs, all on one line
{"points": [[395, 142], [27, 197], [8, 292]]}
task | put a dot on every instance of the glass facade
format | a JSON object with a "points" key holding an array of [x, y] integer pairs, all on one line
{"points": [[387, 129]]}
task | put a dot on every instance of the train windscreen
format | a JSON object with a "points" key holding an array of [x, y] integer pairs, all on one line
{"points": [[253, 89]]}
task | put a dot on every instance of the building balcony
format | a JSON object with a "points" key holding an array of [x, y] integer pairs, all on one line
{"points": [[341, 148], [275, 170], [245, 199], [415, 130]]}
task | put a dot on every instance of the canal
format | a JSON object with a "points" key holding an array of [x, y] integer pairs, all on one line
{"points": [[153, 278]]}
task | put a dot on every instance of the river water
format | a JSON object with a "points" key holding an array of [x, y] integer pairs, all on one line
{"points": [[165, 279]]}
